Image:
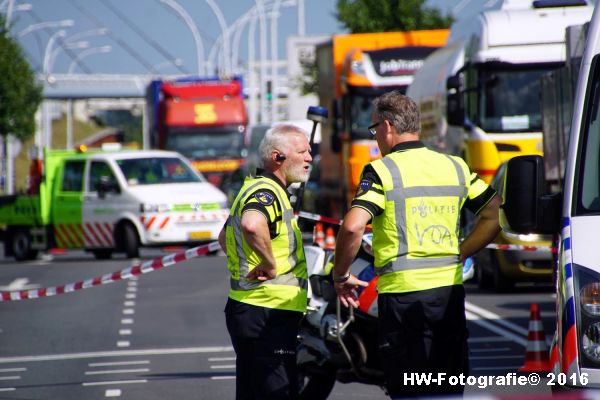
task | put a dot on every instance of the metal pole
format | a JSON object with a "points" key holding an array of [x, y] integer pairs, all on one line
{"points": [[70, 124], [65, 23], [274, 58], [226, 70], [252, 72], [88, 52], [46, 72], [263, 59], [145, 129], [182, 13], [301, 19]]}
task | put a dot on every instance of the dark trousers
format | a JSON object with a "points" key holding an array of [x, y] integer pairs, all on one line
{"points": [[265, 342], [423, 332]]}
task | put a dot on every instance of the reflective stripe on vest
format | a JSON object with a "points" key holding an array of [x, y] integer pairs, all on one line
{"points": [[398, 194], [286, 278]]}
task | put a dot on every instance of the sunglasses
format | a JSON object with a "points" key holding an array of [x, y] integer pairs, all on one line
{"points": [[371, 128]]}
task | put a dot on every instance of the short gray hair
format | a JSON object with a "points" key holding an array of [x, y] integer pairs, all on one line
{"points": [[400, 110], [276, 138]]}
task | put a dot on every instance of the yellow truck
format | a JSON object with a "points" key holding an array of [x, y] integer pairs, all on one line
{"points": [[353, 69]]}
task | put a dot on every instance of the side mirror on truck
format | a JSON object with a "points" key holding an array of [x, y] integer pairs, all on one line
{"points": [[106, 185], [527, 208], [455, 110]]}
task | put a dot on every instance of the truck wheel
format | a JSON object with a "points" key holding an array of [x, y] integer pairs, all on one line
{"points": [[130, 243], [21, 246], [102, 254]]}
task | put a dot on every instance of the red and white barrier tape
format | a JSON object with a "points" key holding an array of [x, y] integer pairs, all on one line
{"points": [[319, 218], [542, 249], [144, 268]]}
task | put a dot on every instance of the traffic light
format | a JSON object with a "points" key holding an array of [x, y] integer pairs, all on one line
{"points": [[269, 90]]}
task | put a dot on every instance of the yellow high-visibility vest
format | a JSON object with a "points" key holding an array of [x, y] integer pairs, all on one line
{"points": [[416, 238], [288, 291]]}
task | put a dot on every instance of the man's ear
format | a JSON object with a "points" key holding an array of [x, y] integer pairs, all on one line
{"points": [[277, 156]]}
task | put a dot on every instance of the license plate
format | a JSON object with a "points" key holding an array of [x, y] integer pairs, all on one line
{"points": [[200, 235]]}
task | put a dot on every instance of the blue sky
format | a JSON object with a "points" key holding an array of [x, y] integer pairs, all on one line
{"points": [[149, 34]]}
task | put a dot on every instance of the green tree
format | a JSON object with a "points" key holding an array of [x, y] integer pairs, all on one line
{"points": [[20, 96], [359, 16], [307, 81]]}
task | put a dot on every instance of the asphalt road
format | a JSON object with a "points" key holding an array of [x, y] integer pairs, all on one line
{"points": [[163, 336]]}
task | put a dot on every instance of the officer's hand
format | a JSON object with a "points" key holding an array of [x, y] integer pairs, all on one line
{"points": [[346, 291], [262, 272]]}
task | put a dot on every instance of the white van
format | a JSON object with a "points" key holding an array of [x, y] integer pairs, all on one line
{"points": [[573, 215]]}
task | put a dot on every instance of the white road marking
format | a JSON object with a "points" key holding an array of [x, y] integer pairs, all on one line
{"points": [[13, 370], [495, 318], [18, 284], [7, 389], [117, 353], [132, 283], [219, 378], [495, 368], [222, 366], [127, 321], [114, 382], [221, 359], [128, 311], [132, 289], [486, 339], [495, 357], [489, 350], [110, 364], [129, 303], [117, 371], [130, 295], [10, 378], [123, 343], [112, 393], [124, 332], [496, 329]]}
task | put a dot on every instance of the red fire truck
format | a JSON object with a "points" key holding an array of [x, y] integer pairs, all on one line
{"points": [[203, 119]]}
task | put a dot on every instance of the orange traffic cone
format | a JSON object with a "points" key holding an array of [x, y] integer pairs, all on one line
{"points": [[536, 356], [329, 239], [319, 235]]}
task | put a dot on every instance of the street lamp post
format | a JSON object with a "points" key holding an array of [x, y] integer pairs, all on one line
{"points": [[46, 117], [67, 45], [225, 34], [177, 62], [274, 60], [63, 23], [80, 56], [181, 13], [88, 52], [263, 58], [10, 8]]}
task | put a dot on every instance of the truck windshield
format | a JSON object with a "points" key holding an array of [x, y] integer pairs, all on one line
{"points": [[361, 108], [510, 98], [207, 143], [150, 171]]}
